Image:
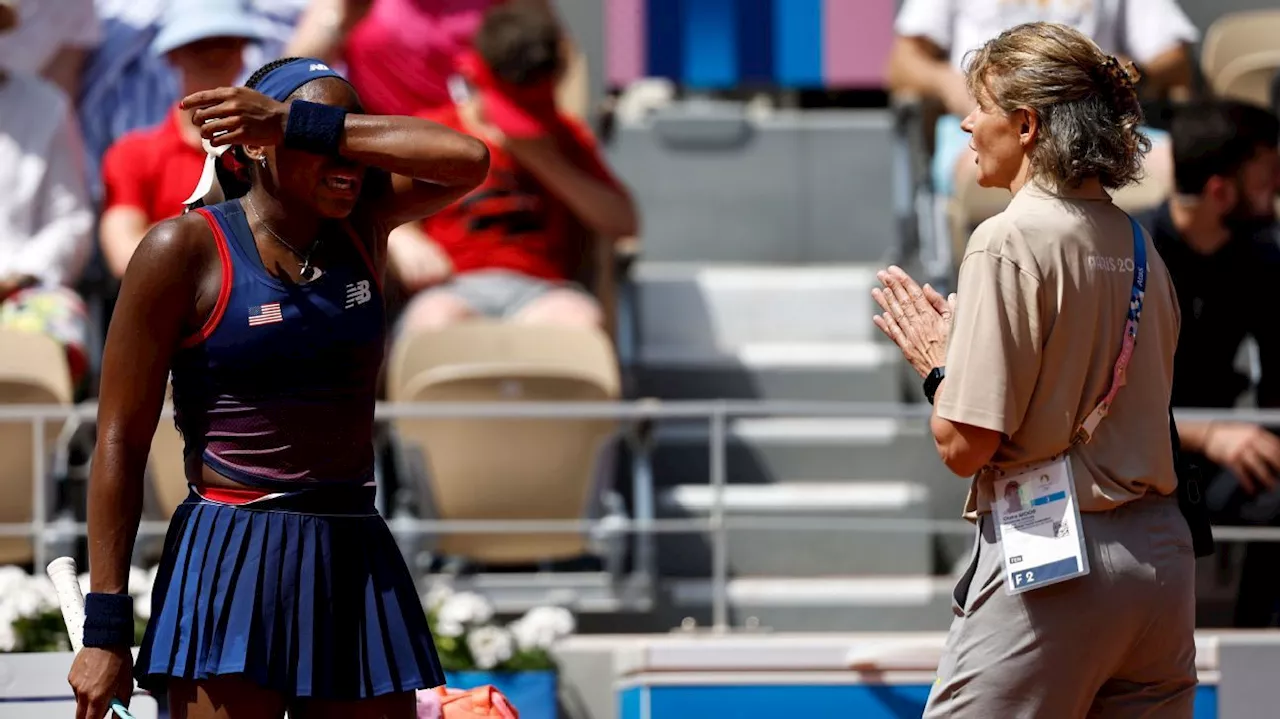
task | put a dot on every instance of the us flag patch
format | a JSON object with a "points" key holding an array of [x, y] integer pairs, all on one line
{"points": [[265, 314]]}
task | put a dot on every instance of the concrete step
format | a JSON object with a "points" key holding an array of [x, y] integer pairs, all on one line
{"points": [[817, 546], [770, 450], [781, 451], [715, 307], [833, 371], [823, 604]]}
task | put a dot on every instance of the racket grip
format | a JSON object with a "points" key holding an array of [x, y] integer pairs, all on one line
{"points": [[62, 572]]}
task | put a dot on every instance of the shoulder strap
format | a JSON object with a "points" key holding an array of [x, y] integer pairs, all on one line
{"points": [[1128, 341], [227, 279]]}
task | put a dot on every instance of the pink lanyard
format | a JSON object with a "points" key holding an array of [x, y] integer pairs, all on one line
{"points": [[1128, 342]]}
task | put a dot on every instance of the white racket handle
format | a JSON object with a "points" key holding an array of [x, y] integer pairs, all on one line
{"points": [[62, 571]]}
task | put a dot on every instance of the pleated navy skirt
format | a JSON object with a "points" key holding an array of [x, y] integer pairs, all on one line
{"points": [[306, 595]]}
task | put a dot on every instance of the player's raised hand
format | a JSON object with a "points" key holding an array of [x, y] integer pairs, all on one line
{"points": [[237, 116]]}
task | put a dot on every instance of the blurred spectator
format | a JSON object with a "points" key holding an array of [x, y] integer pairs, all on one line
{"points": [[148, 173], [45, 219], [399, 54], [127, 86], [1275, 93], [508, 249], [56, 38], [933, 37], [279, 21], [1215, 236]]}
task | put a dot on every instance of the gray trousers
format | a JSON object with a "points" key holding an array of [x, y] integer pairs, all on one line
{"points": [[1117, 642]]}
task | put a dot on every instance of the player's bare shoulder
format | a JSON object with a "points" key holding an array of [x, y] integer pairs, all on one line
{"points": [[183, 244]]}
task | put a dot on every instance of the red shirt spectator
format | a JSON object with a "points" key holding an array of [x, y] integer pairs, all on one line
{"points": [[401, 54], [512, 222], [152, 169]]}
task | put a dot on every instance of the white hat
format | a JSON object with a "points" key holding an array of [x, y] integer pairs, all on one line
{"points": [[188, 21]]}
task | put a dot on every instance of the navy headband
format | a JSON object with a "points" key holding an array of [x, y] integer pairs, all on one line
{"points": [[278, 84], [281, 82]]}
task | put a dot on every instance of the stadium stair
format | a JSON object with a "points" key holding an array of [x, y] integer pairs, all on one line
{"points": [[796, 332]]}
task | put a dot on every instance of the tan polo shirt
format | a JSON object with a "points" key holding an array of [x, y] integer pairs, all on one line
{"points": [[1043, 296]]}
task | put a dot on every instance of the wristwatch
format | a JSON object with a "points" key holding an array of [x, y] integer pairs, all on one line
{"points": [[932, 380]]}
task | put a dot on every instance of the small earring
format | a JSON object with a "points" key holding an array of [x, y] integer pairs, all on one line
{"points": [[263, 161]]}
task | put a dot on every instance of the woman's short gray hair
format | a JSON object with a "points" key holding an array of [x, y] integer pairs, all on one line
{"points": [[1084, 99]]}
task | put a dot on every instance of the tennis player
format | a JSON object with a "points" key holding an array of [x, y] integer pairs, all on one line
{"points": [[280, 587], [1060, 298]]}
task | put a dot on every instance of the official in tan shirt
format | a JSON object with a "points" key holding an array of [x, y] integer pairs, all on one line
{"points": [[1015, 362]]}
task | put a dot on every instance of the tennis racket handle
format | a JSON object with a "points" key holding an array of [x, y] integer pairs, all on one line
{"points": [[62, 572]]}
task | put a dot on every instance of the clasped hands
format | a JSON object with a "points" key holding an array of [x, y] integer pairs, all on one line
{"points": [[917, 319]]}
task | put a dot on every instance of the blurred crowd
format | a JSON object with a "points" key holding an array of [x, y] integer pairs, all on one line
{"points": [[97, 151]]}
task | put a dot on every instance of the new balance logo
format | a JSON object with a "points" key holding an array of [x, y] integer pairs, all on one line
{"points": [[358, 293]]}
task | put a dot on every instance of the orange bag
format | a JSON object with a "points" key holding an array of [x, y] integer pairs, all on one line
{"points": [[445, 703]]}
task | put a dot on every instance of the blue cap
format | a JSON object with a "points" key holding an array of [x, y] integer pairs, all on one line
{"points": [[188, 21]]}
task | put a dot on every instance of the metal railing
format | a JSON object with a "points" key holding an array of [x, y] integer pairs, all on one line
{"points": [[717, 414]]}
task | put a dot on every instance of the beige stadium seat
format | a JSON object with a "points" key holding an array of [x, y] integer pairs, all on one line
{"points": [[1248, 78], [33, 370], [1237, 35], [973, 204], [498, 469], [166, 475]]}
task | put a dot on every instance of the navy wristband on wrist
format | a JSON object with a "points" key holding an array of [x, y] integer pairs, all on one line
{"points": [[314, 128], [108, 620]]}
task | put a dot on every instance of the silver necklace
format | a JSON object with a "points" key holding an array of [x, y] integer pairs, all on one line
{"points": [[307, 273]]}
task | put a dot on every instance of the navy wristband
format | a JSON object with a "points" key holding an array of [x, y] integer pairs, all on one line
{"points": [[108, 620], [314, 128]]}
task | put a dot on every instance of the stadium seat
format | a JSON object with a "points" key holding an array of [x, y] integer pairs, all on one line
{"points": [[166, 473], [506, 469], [1249, 78], [1238, 35], [973, 204], [33, 370]]}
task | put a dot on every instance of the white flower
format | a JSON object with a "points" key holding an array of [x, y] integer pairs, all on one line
{"points": [[449, 630], [465, 608], [30, 599], [490, 646], [12, 579], [542, 627], [8, 640], [437, 595], [142, 605], [139, 581], [48, 593]]}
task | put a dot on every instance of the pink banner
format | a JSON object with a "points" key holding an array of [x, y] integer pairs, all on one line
{"points": [[625, 45], [856, 37]]}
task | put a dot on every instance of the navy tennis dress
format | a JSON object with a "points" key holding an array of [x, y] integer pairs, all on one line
{"points": [[295, 582]]}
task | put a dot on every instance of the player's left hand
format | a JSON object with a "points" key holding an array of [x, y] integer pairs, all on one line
{"points": [[917, 319], [237, 116]]}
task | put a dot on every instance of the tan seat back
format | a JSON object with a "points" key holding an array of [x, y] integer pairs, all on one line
{"points": [[973, 204], [496, 469], [1249, 78], [166, 473], [1237, 35], [33, 370]]}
